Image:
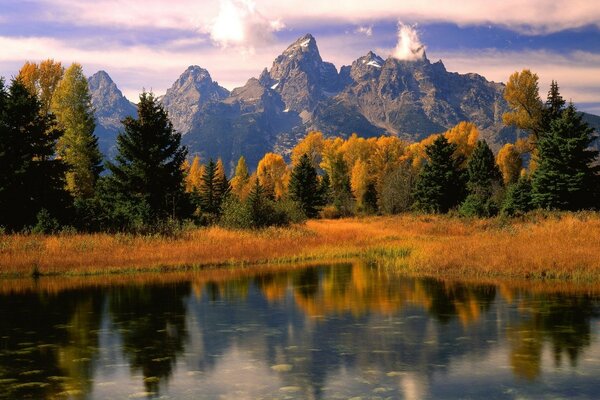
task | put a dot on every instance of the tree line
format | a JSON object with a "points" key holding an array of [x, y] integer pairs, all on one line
{"points": [[52, 174]]}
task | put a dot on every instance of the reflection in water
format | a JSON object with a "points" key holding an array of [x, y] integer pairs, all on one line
{"points": [[320, 332]]}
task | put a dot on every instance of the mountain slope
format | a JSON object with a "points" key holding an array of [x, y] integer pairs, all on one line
{"points": [[111, 107]]}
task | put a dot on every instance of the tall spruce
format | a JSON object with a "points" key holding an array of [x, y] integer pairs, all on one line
{"points": [[304, 187], [555, 104], [518, 197], [566, 178], [78, 147], [441, 184], [214, 189], [147, 174], [483, 177], [31, 178]]}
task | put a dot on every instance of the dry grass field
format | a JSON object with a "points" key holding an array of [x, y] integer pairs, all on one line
{"points": [[554, 246]]}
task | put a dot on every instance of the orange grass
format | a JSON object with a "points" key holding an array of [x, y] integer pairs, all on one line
{"points": [[565, 246]]}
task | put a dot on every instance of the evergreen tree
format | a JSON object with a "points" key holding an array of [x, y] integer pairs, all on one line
{"points": [[304, 187], [440, 185], [31, 178], [325, 191], [565, 178], [78, 147], [222, 185], [207, 195], [147, 177], [555, 104], [258, 205], [483, 176], [518, 198]]}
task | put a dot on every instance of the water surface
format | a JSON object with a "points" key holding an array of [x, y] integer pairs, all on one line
{"points": [[322, 332]]}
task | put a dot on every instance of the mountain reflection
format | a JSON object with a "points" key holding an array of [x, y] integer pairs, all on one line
{"points": [[315, 332]]}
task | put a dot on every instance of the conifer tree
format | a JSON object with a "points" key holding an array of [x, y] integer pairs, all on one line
{"points": [[555, 104], [146, 176], [518, 197], [441, 184], [193, 179], [304, 187], [565, 178], [222, 185], [78, 147], [31, 178], [207, 196], [483, 176]]}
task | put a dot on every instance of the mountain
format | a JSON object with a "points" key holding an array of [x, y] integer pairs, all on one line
{"points": [[301, 92], [189, 93], [111, 107]]}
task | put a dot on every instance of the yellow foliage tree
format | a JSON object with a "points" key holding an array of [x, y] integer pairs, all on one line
{"points": [[386, 156], [464, 136], [510, 163], [193, 179], [523, 98], [357, 148], [41, 80], [359, 181], [312, 145], [273, 175], [240, 179]]}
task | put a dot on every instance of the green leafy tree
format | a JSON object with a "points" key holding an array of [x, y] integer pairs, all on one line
{"points": [[441, 184], [304, 187], [78, 147], [147, 176], [566, 178], [31, 178]]}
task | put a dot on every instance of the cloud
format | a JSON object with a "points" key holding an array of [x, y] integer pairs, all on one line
{"points": [[365, 30], [239, 24], [527, 16], [409, 46]]}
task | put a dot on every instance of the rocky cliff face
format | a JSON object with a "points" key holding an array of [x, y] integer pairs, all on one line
{"points": [[194, 89], [111, 107]]}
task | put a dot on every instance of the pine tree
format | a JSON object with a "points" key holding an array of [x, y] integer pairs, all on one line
{"points": [[441, 184], [304, 187], [222, 185], [78, 147], [258, 204], [483, 176], [147, 175], [518, 198], [31, 178], [565, 178], [207, 196], [555, 104]]}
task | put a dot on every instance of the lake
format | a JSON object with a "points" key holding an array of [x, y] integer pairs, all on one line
{"points": [[305, 332]]}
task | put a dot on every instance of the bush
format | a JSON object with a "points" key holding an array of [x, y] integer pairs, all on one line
{"points": [[518, 198], [476, 205], [46, 223], [247, 215]]}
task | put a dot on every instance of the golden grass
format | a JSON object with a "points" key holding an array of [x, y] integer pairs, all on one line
{"points": [[563, 246]]}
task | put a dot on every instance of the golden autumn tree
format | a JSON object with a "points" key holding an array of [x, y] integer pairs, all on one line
{"points": [[240, 179], [41, 80], [311, 145], [78, 146], [523, 98], [357, 148], [465, 136], [193, 179], [272, 174], [359, 181], [510, 163], [386, 156]]}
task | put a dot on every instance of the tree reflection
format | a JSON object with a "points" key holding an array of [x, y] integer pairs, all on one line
{"points": [[151, 321], [48, 344]]}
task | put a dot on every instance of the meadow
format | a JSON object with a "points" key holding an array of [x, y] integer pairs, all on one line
{"points": [[561, 246]]}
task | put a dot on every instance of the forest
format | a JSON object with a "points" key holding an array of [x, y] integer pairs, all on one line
{"points": [[54, 179]]}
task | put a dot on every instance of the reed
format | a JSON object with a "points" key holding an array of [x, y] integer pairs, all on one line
{"points": [[549, 246]]}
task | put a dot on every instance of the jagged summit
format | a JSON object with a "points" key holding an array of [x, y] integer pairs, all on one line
{"points": [[190, 92]]}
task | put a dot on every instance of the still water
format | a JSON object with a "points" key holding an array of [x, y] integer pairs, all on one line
{"points": [[321, 332]]}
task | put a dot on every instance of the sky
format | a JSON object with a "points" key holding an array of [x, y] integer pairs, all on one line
{"points": [[148, 44]]}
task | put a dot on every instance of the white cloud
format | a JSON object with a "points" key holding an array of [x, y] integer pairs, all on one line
{"points": [[366, 30], [529, 16], [239, 24], [409, 46]]}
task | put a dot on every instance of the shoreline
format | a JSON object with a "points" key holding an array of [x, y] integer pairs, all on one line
{"points": [[555, 246]]}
